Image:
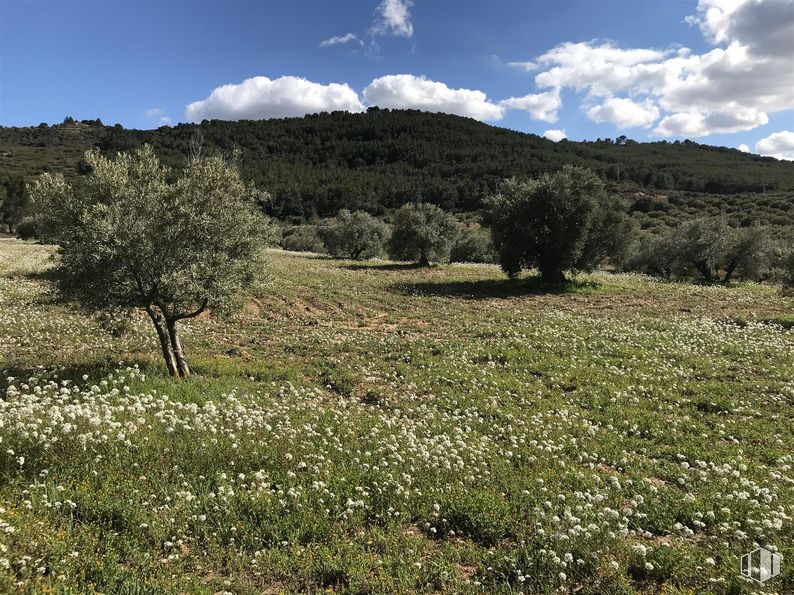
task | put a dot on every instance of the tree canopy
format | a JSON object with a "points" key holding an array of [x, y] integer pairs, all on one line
{"points": [[564, 221], [356, 235], [422, 232], [132, 235]]}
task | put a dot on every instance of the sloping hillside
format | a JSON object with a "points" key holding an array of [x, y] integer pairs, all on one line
{"points": [[380, 159]]}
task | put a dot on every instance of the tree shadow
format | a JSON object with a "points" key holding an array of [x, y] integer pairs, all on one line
{"points": [[493, 288], [386, 266], [95, 369], [42, 275]]}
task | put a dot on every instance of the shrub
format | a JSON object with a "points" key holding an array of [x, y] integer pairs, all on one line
{"points": [[483, 516], [302, 238], [423, 233], [356, 235], [26, 228], [563, 221], [473, 244]]}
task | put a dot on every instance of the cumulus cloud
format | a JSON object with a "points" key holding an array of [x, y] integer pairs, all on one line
{"points": [[703, 124], [539, 106], [406, 91], [157, 113], [393, 17], [260, 97], [555, 134], [340, 40], [743, 148], [779, 145], [601, 69], [765, 26], [729, 88], [624, 113]]}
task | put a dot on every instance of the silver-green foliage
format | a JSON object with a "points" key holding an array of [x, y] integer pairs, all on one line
{"points": [[357, 235], [422, 232], [708, 248], [302, 238], [132, 235], [562, 221], [474, 244]]}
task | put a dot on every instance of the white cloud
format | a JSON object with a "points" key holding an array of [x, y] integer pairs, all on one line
{"points": [[555, 134], [743, 148], [158, 114], [703, 124], [539, 106], [340, 39], [392, 17], [729, 88], [779, 145], [260, 97], [406, 91], [525, 66], [624, 113], [766, 27], [601, 69]]}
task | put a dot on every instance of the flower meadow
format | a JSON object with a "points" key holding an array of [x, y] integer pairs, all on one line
{"points": [[373, 428]]}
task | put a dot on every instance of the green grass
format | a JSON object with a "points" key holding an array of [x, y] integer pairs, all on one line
{"points": [[379, 428]]}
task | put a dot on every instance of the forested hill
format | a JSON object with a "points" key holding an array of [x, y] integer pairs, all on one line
{"points": [[377, 160]]}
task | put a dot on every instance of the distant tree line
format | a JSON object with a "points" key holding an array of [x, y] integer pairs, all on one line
{"points": [[318, 165]]}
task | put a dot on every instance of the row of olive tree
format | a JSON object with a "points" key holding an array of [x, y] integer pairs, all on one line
{"points": [[708, 249], [559, 223], [419, 232]]}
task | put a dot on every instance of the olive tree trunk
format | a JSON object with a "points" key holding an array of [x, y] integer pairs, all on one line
{"points": [[176, 346], [159, 325], [553, 277]]}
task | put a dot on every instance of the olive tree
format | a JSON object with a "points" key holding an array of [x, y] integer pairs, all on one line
{"points": [[133, 235], [356, 235], [422, 232], [708, 248], [302, 238], [562, 221], [473, 244]]}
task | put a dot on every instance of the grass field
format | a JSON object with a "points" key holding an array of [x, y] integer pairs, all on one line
{"points": [[374, 427]]}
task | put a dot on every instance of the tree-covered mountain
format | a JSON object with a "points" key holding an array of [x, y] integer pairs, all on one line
{"points": [[378, 160]]}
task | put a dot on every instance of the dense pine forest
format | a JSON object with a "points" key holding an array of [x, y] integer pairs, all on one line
{"points": [[376, 161]]}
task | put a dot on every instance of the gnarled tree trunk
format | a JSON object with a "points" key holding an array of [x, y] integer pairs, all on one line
{"points": [[176, 346], [159, 325], [552, 277]]}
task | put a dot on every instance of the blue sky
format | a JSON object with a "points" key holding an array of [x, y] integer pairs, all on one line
{"points": [[650, 70]]}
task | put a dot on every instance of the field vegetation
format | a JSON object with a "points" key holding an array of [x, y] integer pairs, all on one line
{"points": [[382, 427]]}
